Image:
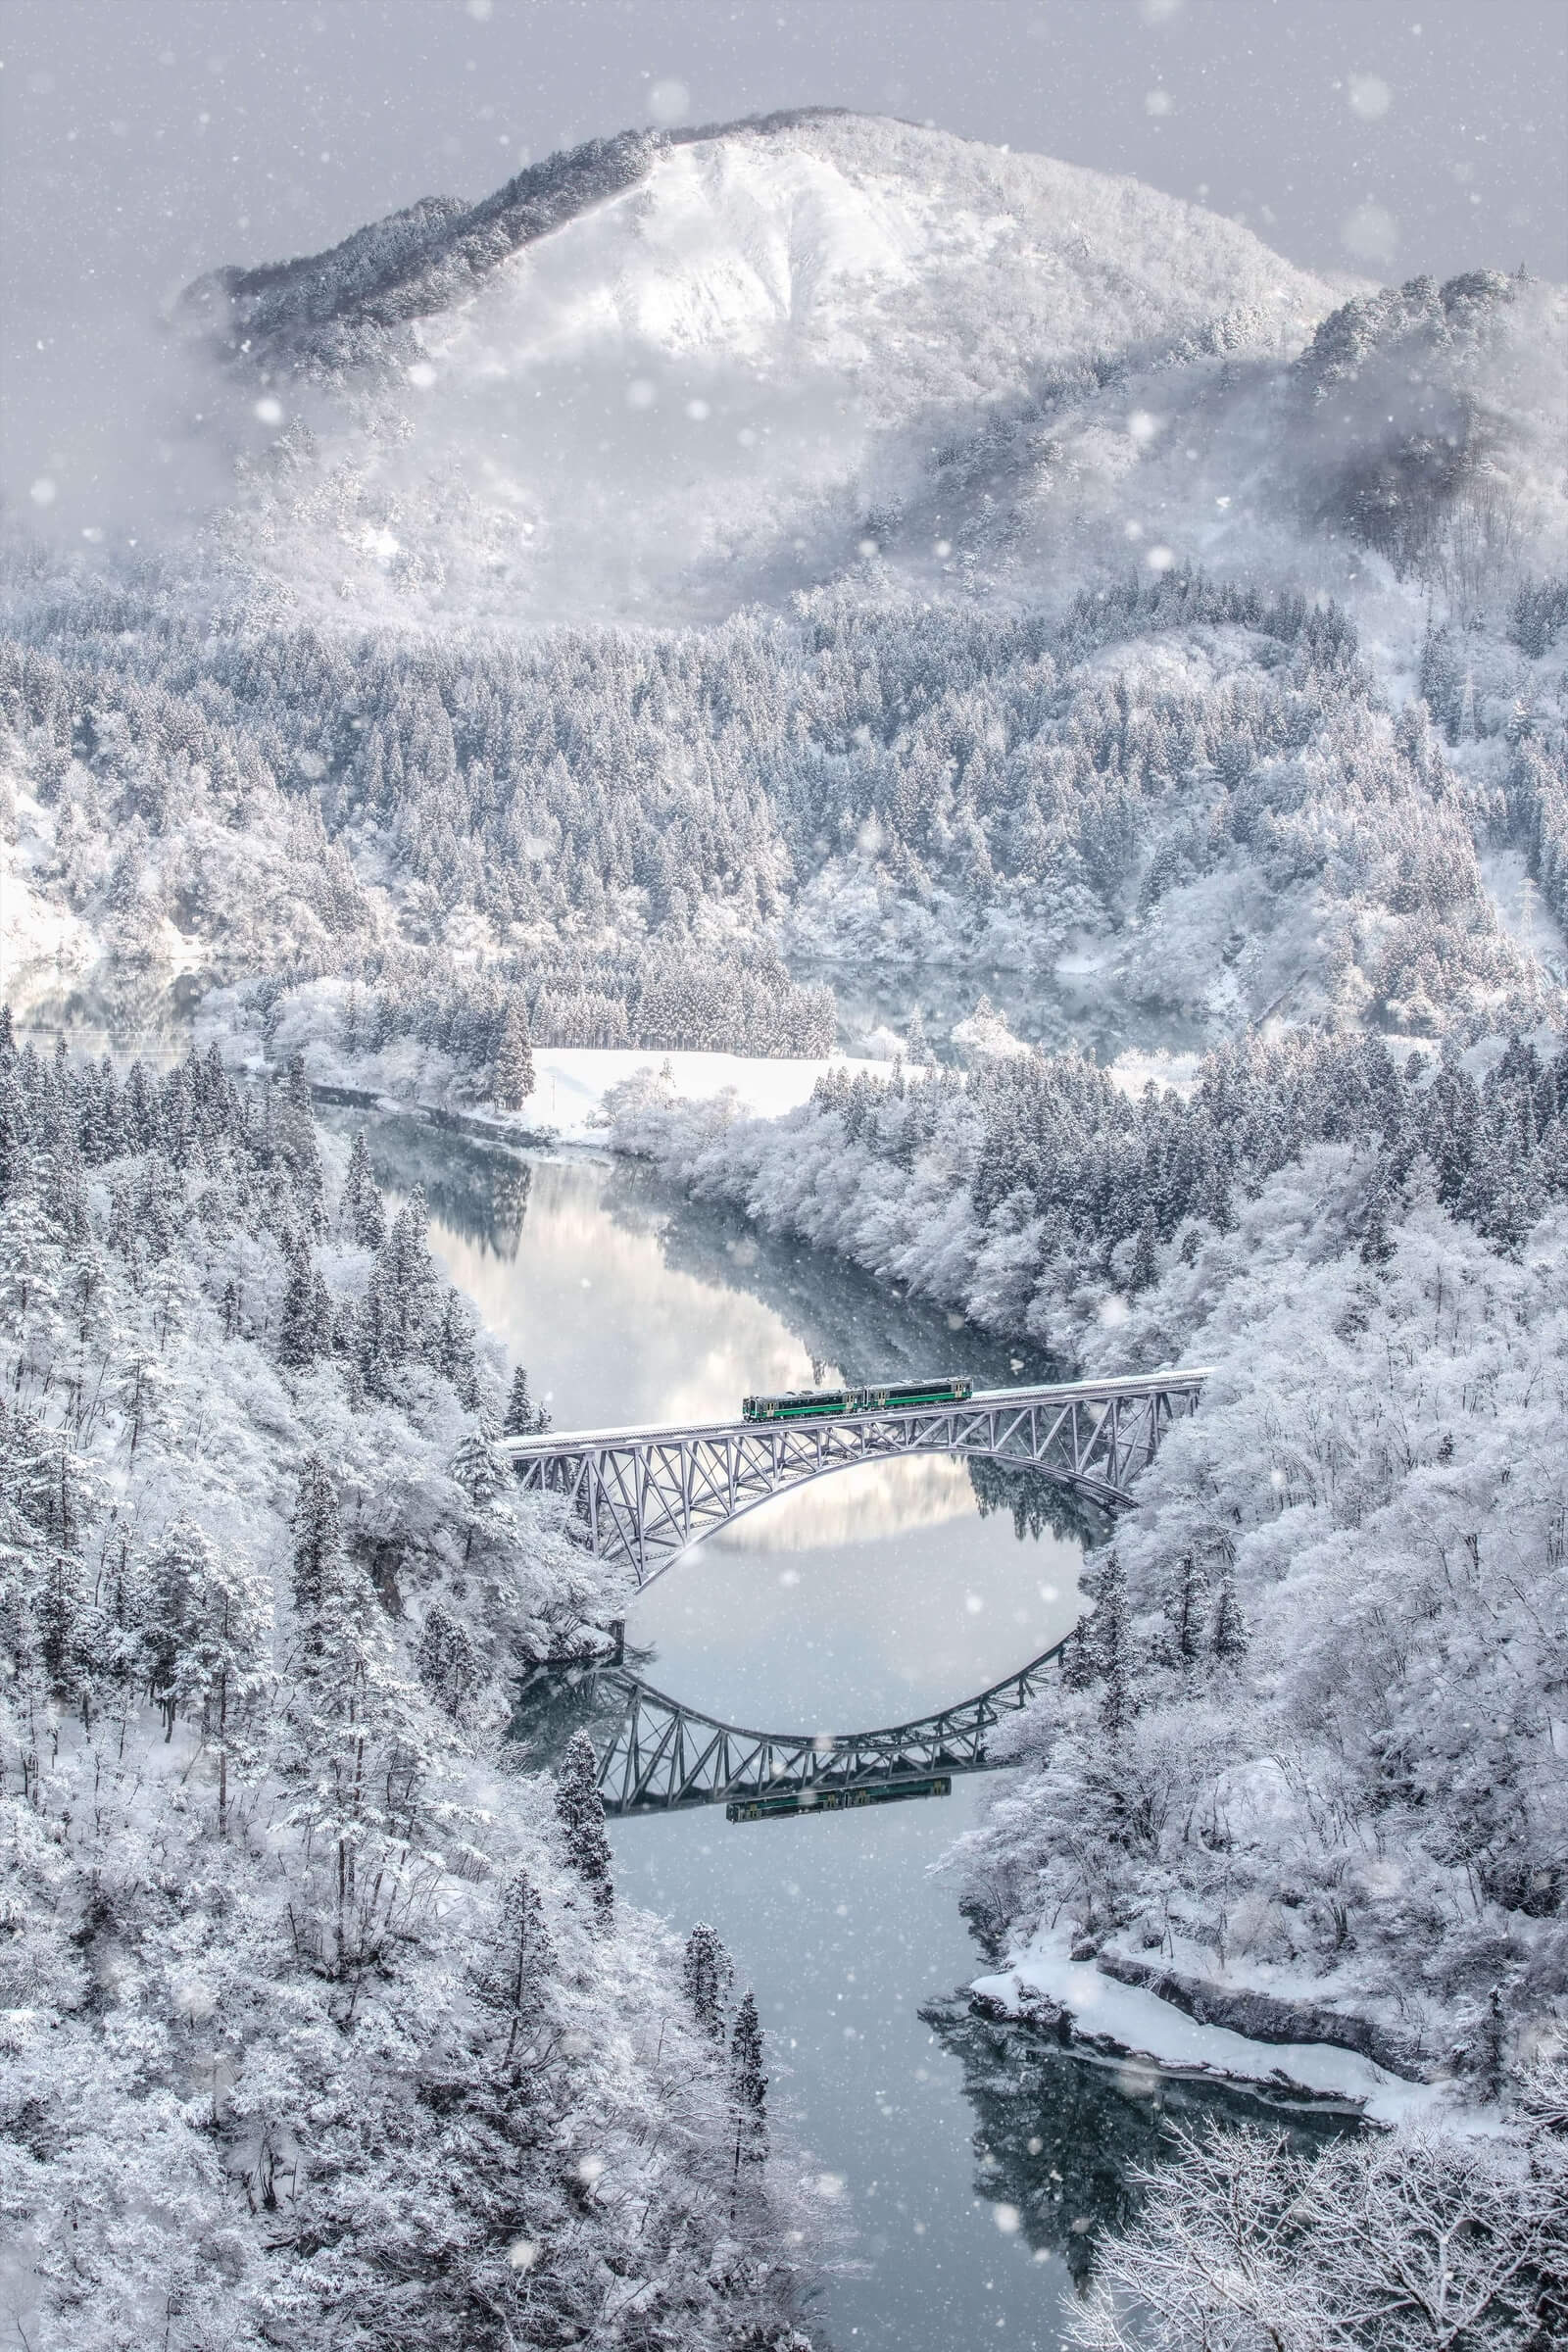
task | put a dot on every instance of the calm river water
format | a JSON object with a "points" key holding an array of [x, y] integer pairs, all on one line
{"points": [[970, 2163]]}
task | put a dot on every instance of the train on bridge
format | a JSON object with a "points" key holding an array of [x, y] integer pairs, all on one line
{"points": [[817, 1404]]}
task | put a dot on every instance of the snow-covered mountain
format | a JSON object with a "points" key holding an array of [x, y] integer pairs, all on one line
{"points": [[671, 371], [1069, 470]]}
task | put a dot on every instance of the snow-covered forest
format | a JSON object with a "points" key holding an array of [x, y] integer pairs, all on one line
{"points": [[323, 2024], [1202, 787], [718, 558], [1306, 1768]]}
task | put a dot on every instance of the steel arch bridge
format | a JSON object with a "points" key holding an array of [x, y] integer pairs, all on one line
{"points": [[663, 1757], [647, 1495]]}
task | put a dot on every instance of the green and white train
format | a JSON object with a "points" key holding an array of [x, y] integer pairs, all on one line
{"points": [[817, 1404]]}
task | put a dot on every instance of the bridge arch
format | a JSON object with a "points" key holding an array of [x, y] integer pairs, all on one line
{"points": [[647, 1495]]}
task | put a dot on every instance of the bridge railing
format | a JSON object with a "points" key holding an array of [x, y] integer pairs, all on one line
{"points": [[1188, 1378]]}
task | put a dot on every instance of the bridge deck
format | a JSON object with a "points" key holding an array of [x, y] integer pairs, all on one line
{"points": [[1058, 1393]]}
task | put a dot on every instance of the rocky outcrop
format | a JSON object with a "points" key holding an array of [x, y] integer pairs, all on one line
{"points": [[1265, 2017]]}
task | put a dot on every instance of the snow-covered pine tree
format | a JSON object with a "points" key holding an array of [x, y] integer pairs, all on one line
{"points": [[706, 1973], [524, 1419], [747, 2097], [297, 1318], [1079, 1665], [452, 1353], [204, 1617], [512, 1075], [360, 1216], [448, 1662], [479, 1466], [401, 1315], [317, 1548], [581, 1814], [1230, 1640], [511, 1975], [1146, 1260], [294, 1137], [1184, 1607], [1111, 1635]]}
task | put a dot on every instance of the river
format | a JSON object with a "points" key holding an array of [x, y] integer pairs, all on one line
{"points": [[969, 2163]]}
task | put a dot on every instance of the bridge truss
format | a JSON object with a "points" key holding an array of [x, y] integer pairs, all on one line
{"points": [[646, 1494], [663, 1757]]}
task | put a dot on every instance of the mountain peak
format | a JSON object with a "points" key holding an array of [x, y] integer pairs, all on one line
{"points": [[668, 372], [339, 306], [345, 307]]}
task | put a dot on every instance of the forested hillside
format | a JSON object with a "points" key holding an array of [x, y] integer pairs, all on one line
{"points": [[1303, 1770], [1198, 789], [321, 2023]]}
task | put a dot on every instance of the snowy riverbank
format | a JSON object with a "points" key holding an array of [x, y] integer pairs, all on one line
{"points": [[572, 1083], [1046, 1986]]}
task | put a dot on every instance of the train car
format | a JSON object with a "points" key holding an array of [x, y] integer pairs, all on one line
{"points": [[815, 1404], [952, 1389], [799, 1404]]}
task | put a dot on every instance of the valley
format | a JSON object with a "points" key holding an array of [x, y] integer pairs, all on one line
{"points": [[794, 752]]}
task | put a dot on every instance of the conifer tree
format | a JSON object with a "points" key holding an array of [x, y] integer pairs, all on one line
{"points": [[581, 1814], [453, 1349], [512, 1974], [297, 1323], [1146, 1262], [175, 1579], [706, 1973], [479, 1466], [407, 1285], [916, 1045], [361, 1218], [294, 1135], [1231, 1639], [523, 1418], [1079, 1666], [512, 1075], [1111, 1637], [1184, 1609], [448, 1662], [317, 1548], [204, 1620], [747, 2095]]}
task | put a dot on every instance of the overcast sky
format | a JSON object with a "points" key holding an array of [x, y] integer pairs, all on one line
{"points": [[142, 142]]}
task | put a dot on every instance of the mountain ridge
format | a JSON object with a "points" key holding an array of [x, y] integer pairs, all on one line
{"points": [[445, 234]]}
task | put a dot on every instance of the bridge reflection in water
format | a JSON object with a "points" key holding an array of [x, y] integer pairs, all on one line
{"points": [[663, 1757]]}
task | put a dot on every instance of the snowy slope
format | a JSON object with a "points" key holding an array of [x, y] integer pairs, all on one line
{"points": [[707, 366]]}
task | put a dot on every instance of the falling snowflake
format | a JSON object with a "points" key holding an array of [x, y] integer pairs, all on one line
{"points": [[669, 101], [1370, 96]]}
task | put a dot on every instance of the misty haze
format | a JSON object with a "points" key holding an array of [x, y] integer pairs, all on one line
{"points": [[783, 1176]]}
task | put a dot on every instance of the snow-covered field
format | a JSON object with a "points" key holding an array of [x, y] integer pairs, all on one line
{"points": [[570, 1081]]}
